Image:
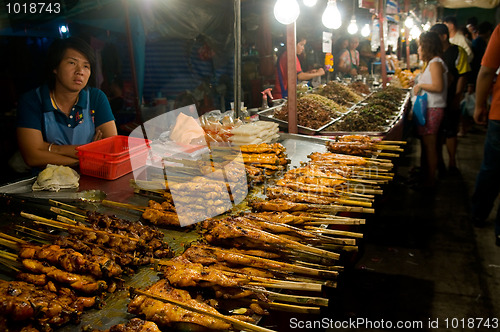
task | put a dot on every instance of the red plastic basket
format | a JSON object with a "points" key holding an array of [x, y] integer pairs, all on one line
{"points": [[110, 158]]}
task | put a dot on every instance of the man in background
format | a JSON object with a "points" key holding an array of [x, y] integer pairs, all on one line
{"points": [[488, 179], [458, 66], [456, 37]]}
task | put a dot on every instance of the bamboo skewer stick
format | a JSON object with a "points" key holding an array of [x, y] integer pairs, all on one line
{"points": [[57, 224], [352, 202], [392, 142], [335, 232], [337, 247], [338, 208], [106, 202], [235, 322], [293, 244], [321, 216], [288, 285], [335, 222], [307, 235], [363, 189], [375, 176], [67, 206], [66, 220], [284, 307], [33, 232], [12, 238], [265, 282], [277, 265], [319, 267], [386, 154], [75, 216], [9, 260], [355, 194], [320, 301], [389, 147], [9, 244], [8, 255]]}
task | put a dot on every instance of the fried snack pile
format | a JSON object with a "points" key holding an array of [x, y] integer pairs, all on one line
{"points": [[339, 93], [313, 111]]}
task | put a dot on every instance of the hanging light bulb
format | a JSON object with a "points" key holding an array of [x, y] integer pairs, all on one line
{"points": [[415, 32], [353, 27], [409, 22], [331, 17], [286, 11], [310, 3], [365, 31], [426, 26]]}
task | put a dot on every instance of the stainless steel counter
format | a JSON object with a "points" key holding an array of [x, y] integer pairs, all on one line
{"points": [[120, 190]]}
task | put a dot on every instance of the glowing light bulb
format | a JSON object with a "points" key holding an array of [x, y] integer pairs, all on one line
{"points": [[415, 32], [63, 29], [310, 3], [365, 31], [353, 27], [409, 22], [331, 17], [286, 11], [426, 26]]}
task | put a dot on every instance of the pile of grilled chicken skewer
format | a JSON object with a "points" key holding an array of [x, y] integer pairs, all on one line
{"points": [[282, 245]]}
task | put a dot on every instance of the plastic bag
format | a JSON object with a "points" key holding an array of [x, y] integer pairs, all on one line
{"points": [[468, 104], [420, 109]]}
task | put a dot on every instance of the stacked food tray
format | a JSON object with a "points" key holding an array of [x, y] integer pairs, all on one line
{"points": [[391, 119], [268, 115], [334, 125], [314, 113]]}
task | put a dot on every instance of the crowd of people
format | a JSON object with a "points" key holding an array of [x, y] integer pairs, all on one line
{"points": [[450, 89], [459, 78]]}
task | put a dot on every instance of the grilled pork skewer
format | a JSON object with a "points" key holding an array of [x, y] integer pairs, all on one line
{"points": [[298, 197], [213, 255], [133, 325], [164, 304], [182, 273], [24, 302], [282, 205], [230, 228]]}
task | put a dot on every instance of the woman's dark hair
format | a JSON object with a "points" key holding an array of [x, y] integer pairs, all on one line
{"points": [[441, 29], [451, 19], [430, 45], [56, 52]]}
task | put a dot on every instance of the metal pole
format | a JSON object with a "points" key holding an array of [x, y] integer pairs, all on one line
{"points": [[138, 114], [383, 62], [291, 62], [407, 35], [237, 58]]}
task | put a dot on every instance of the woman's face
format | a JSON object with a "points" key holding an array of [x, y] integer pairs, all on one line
{"points": [[301, 46], [73, 71], [419, 52], [353, 43]]}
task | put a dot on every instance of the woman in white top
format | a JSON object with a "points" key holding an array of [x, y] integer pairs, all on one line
{"points": [[434, 82]]}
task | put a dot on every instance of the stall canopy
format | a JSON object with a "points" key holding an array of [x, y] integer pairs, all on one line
{"points": [[488, 4], [140, 20]]}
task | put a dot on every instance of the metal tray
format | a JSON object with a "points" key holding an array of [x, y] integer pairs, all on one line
{"points": [[394, 120], [268, 115], [115, 309]]}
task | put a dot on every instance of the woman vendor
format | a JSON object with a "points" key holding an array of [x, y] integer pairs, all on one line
{"points": [[281, 82], [63, 113], [348, 62]]}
